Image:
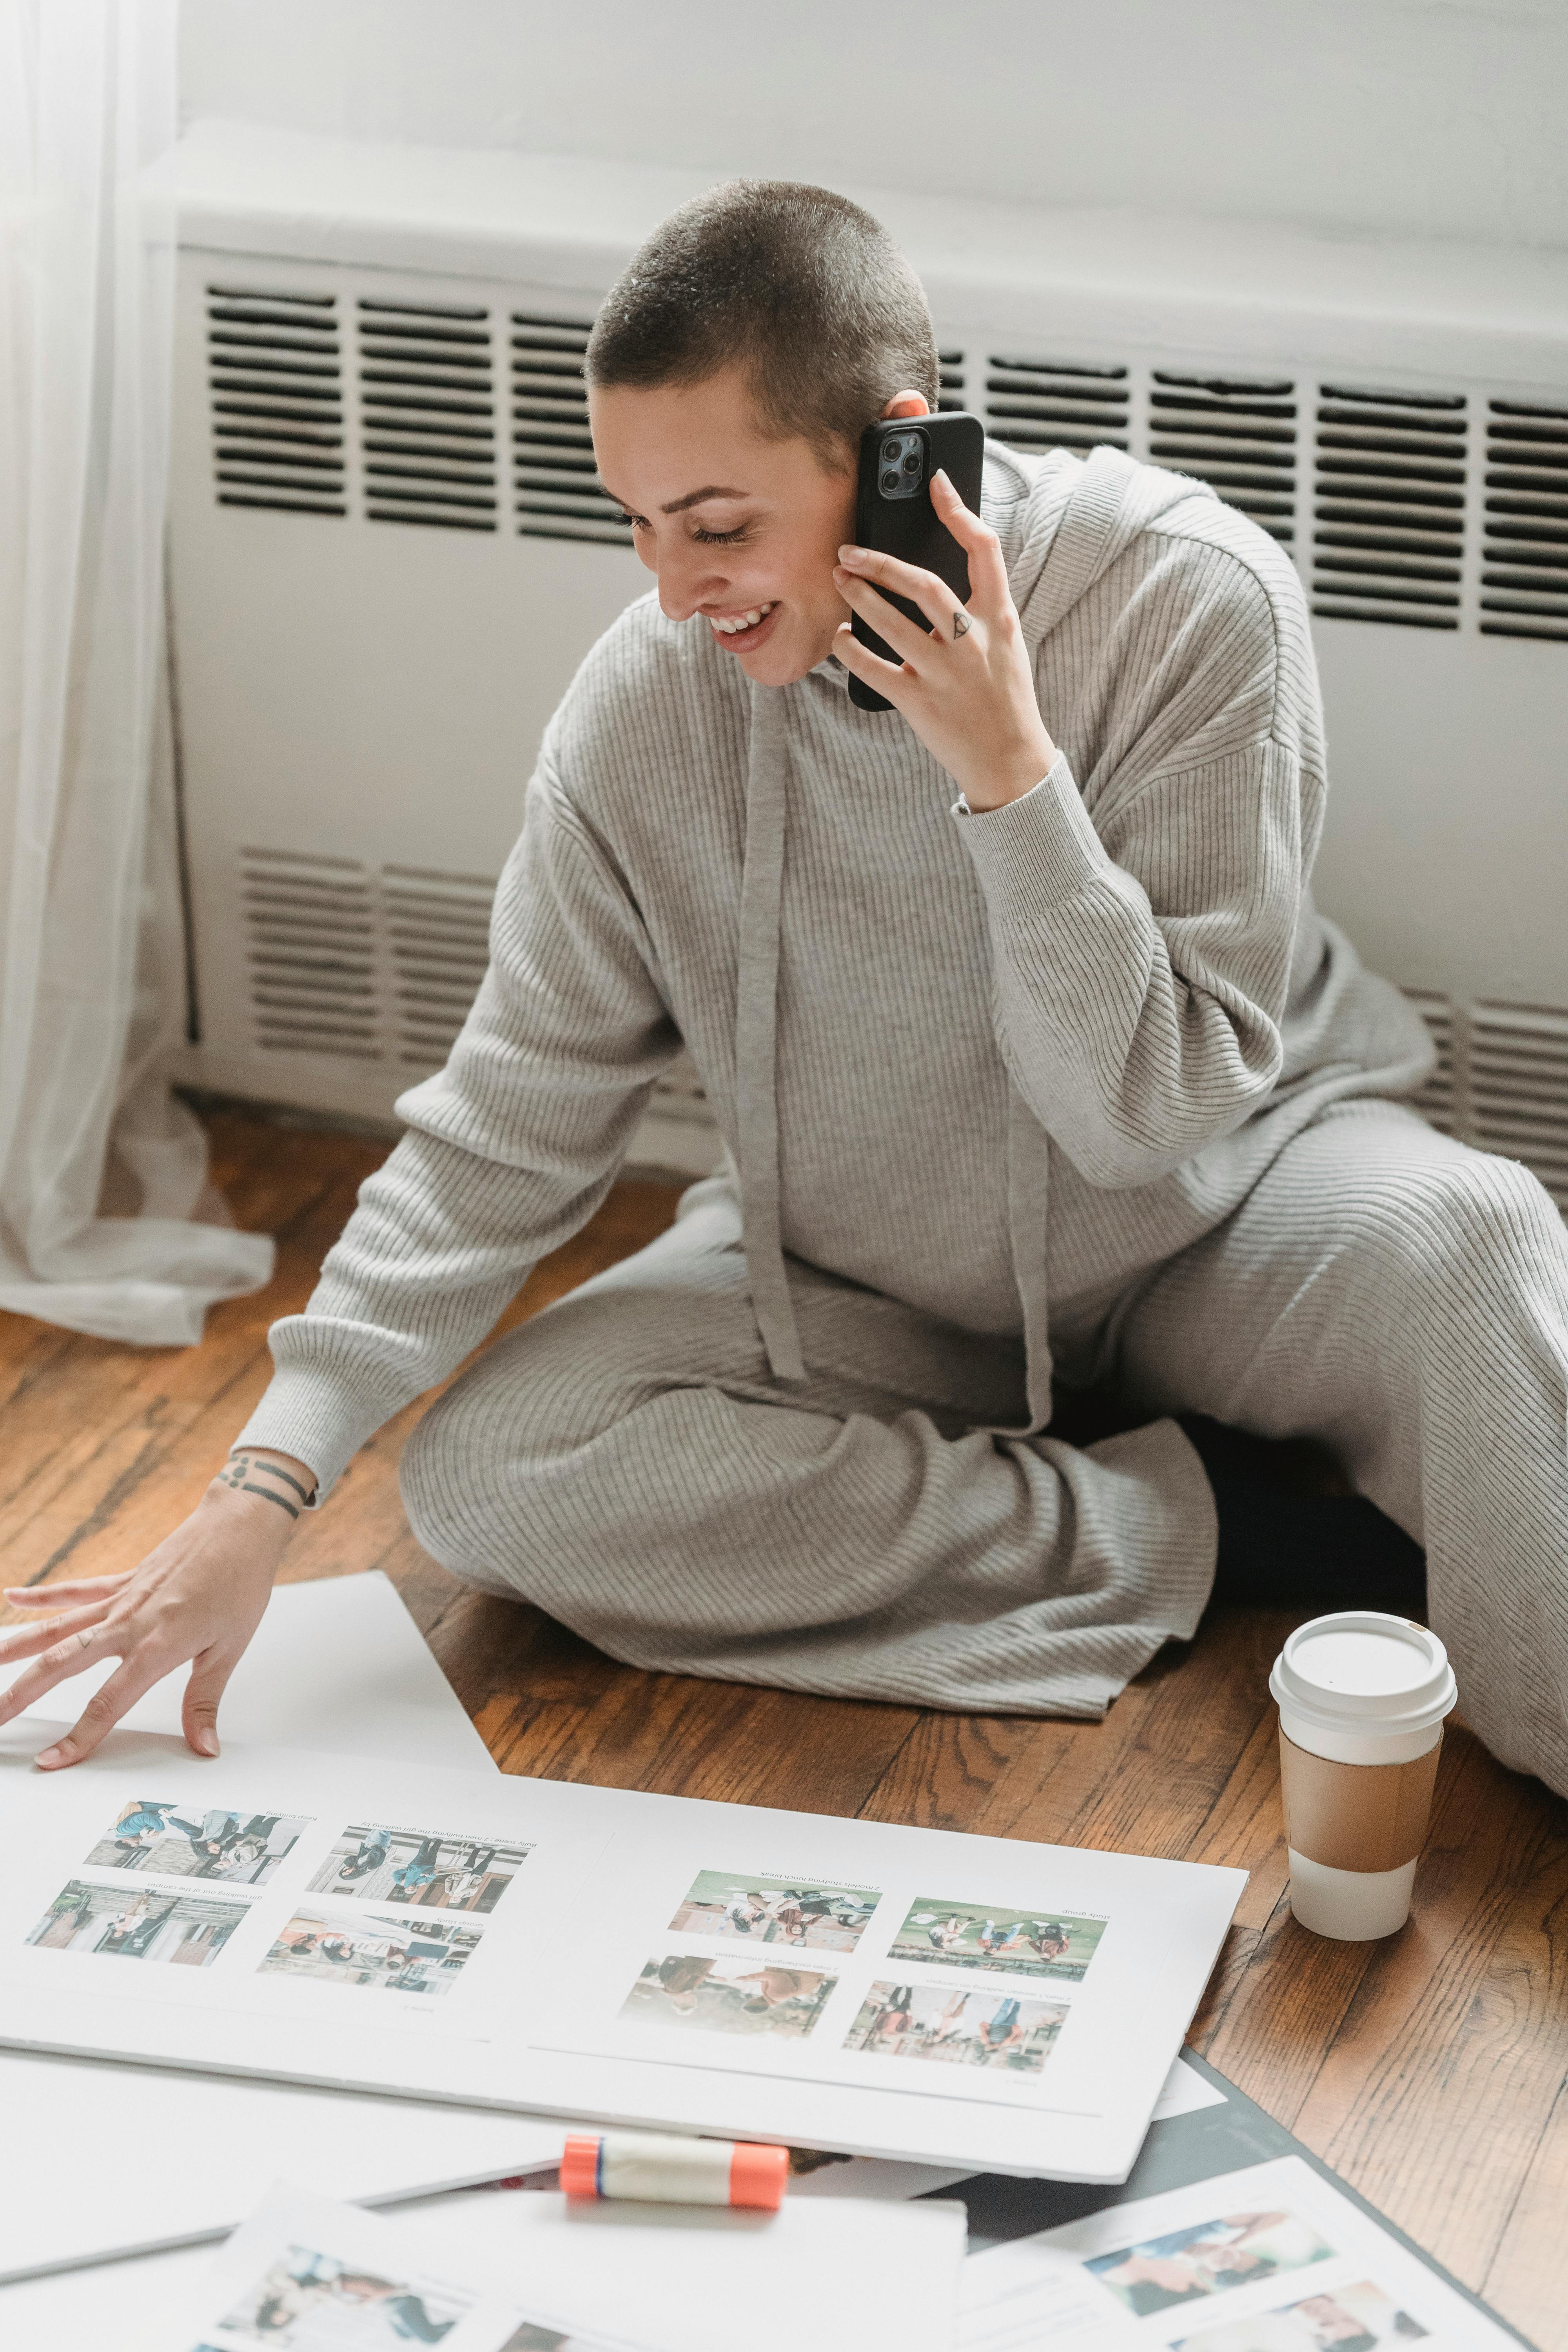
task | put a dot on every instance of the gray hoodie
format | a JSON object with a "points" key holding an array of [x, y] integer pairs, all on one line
{"points": [[981, 1063]]}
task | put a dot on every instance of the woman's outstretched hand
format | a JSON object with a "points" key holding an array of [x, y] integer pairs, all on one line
{"points": [[198, 1596], [967, 689]]}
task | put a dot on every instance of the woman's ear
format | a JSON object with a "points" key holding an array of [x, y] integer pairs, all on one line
{"points": [[907, 403]]}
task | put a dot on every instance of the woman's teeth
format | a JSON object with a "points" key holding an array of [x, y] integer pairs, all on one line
{"points": [[737, 622]]}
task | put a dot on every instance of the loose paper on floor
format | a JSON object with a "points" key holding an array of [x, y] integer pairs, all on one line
{"points": [[1269, 2259], [895, 1992], [500, 2274], [312, 2276], [335, 1665]]}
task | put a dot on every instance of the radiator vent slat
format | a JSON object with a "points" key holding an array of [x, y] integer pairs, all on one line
{"points": [[1501, 1081], [680, 1093], [310, 947], [1519, 1088], [1435, 1100], [437, 929], [1389, 519], [276, 401], [371, 964], [1524, 546], [1034, 404], [950, 379], [427, 414], [1236, 433], [555, 482]]}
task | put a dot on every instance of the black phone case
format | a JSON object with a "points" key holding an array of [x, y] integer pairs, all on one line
{"points": [[908, 527]]}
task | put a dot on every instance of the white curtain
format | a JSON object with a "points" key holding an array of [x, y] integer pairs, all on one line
{"points": [[106, 1221]]}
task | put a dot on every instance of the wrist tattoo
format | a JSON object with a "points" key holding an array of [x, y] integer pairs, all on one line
{"points": [[244, 1475]]}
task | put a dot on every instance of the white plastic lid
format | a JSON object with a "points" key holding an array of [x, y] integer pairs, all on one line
{"points": [[1360, 1669]]}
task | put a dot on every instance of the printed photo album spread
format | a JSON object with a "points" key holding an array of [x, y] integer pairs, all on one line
{"points": [[596, 1952]]}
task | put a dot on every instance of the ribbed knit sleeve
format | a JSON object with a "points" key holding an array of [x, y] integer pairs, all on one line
{"points": [[512, 1146], [1141, 933]]}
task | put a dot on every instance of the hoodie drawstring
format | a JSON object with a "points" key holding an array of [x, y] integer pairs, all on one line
{"points": [[1028, 1197], [756, 1034]]}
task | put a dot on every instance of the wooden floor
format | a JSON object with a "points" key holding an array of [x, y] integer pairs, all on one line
{"points": [[1431, 2070]]}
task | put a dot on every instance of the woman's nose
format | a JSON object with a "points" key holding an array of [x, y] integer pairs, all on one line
{"points": [[684, 583]]}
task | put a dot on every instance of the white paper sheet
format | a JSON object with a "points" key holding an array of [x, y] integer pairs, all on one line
{"points": [[571, 1949], [1185, 2092], [655, 2277], [309, 2274], [337, 1666], [685, 2278], [104, 2303], [1269, 2259], [158, 2159], [99, 2160]]}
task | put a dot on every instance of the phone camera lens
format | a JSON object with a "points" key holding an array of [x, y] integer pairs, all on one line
{"points": [[890, 479], [911, 461], [891, 452]]}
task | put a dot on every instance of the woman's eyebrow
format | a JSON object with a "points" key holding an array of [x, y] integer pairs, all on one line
{"points": [[693, 498]]}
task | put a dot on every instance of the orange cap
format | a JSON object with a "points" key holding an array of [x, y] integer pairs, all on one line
{"points": [[758, 2175], [580, 2166]]}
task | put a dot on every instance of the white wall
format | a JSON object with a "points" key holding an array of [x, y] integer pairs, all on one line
{"points": [[1428, 117]]}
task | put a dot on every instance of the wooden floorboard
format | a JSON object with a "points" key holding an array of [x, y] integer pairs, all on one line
{"points": [[1431, 2069]]}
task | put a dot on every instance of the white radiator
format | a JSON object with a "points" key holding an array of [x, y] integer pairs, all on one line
{"points": [[390, 549]]}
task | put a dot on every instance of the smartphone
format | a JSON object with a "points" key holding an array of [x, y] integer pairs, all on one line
{"points": [[894, 515]]}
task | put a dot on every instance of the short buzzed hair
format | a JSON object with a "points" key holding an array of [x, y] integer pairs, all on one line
{"points": [[795, 286]]}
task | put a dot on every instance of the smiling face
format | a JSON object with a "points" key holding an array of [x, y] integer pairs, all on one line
{"points": [[740, 530]]}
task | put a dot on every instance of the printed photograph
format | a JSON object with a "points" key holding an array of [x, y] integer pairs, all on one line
{"points": [[387, 1865], [387, 1955], [143, 1924], [156, 1839], [311, 2302], [775, 1911], [730, 1994], [958, 2029], [1358, 2318], [1206, 2257], [1003, 1940]]}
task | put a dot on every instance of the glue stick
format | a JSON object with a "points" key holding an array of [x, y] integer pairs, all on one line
{"points": [[671, 2170]]}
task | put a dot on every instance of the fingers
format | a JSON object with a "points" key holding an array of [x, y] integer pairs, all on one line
{"points": [[79, 1588], [890, 678], [27, 1641], [57, 1665], [198, 1716], [100, 1715], [859, 566], [988, 585], [901, 635]]}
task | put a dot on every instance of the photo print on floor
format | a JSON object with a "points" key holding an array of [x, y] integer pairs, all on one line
{"points": [[733, 1993], [140, 1924], [381, 1863], [156, 1839], [775, 1909], [1358, 2318], [313, 2302], [378, 1954], [999, 1938], [1188, 2265], [1000, 2030]]}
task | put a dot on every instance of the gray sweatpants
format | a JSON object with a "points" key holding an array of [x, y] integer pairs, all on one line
{"points": [[625, 1461]]}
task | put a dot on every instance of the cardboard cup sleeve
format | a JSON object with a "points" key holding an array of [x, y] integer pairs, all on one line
{"points": [[1355, 1816]]}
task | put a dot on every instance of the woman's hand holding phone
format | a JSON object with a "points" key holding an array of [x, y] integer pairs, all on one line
{"points": [[967, 689]]}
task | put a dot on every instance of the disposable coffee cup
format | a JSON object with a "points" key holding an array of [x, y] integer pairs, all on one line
{"points": [[1362, 1700]]}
